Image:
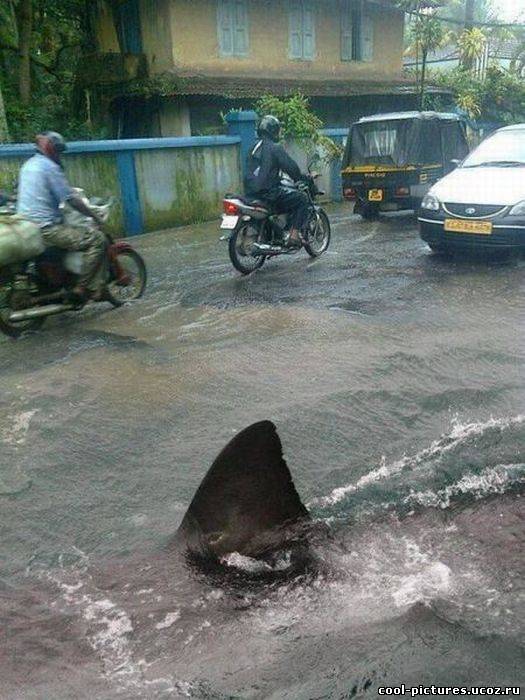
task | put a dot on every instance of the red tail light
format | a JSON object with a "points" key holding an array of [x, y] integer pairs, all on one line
{"points": [[402, 191], [230, 208], [349, 193]]}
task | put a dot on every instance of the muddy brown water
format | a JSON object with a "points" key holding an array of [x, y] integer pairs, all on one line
{"points": [[396, 381]]}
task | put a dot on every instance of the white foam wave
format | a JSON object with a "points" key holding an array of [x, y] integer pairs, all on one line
{"points": [[491, 481], [16, 434], [255, 566], [168, 621], [459, 433]]}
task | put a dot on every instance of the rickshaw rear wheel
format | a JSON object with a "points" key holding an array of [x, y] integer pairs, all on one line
{"points": [[369, 212]]}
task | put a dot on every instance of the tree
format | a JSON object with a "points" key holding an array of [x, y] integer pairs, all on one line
{"points": [[498, 98], [467, 57], [427, 35], [299, 122], [4, 130], [43, 44], [471, 44], [25, 28]]}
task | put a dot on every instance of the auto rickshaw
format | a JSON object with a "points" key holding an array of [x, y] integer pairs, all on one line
{"points": [[392, 160]]}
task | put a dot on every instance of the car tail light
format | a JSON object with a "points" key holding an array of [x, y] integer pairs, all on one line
{"points": [[402, 191], [349, 193], [230, 208]]}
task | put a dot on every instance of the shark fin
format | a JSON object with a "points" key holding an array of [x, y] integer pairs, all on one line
{"points": [[247, 501]]}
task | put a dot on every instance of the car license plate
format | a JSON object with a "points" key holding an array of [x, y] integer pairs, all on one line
{"points": [[375, 195], [229, 222], [483, 228]]}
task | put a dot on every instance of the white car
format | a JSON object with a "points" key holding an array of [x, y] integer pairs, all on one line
{"points": [[481, 204]]}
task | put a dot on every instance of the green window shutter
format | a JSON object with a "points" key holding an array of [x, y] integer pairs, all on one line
{"points": [[296, 29], [240, 28], [346, 31], [308, 30], [367, 37], [224, 26], [357, 16]]}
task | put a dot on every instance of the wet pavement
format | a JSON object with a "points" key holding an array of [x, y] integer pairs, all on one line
{"points": [[396, 380]]}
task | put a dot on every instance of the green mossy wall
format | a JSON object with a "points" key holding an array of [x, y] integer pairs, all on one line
{"points": [[185, 185]]}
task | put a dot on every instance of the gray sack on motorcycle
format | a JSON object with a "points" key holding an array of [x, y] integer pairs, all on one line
{"points": [[20, 240]]}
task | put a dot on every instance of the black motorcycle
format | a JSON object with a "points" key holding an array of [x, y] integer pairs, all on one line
{"points": [[257, 233]]}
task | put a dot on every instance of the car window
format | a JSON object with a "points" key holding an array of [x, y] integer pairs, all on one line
{"points": [[503, 147]]}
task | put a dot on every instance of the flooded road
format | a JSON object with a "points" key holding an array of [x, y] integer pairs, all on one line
{"points": [[396, 380]]}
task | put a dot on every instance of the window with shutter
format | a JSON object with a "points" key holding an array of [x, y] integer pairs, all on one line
{"points": [[308, 31], [367, 38], [346, 31], [302, 29], [232, 27], [296, 29], [240, 43]]}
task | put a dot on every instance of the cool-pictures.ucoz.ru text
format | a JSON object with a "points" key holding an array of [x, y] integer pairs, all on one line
{"points": [[420, 690]]}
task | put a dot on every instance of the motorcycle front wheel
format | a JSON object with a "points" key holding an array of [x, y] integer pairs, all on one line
{"points": [[127, 278], [240, 248], [319, 233]]}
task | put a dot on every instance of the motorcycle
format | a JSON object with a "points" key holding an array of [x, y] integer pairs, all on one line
{"points": [[256, 233], [32, 290]]}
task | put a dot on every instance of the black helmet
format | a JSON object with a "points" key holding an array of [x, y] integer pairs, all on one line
{"points": [[269, 126]]}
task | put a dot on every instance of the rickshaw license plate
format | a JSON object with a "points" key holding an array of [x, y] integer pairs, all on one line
{"points": [[375, 195], [458, 226]]}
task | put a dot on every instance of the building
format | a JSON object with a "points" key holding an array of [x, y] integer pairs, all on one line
{"points": [[170, 67]]}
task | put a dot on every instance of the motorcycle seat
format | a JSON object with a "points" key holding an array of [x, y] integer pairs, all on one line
{"points": [[251, 201], [255, 202]]}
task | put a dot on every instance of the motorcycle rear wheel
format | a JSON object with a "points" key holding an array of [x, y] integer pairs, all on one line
{"points": [[132, 265], [318, 235], [240, 246]]}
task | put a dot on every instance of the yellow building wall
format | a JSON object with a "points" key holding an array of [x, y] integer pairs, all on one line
{"points": [[156, 26], [196, 47], [181, 35]]}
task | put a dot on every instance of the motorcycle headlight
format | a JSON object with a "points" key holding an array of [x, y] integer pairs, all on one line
{"points": [[431, 203], [518, 210]]}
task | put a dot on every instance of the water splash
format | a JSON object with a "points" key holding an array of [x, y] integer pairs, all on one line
{"points": [[491, 481], [110, 630], [16, 434], [460, 434]]}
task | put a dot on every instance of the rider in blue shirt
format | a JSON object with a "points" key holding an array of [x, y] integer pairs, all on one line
{"points": [[42, 189]]}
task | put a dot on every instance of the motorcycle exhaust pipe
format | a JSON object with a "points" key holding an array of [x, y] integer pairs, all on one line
{"points": [[267, 249], [39, 312]]}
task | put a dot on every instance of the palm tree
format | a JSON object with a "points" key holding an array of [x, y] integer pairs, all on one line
{"points": [[427, 34]]}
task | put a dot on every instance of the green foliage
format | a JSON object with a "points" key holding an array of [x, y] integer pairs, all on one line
{"points": [[294, 113], [499, 98], [299, 122], [61, 32], [471, 44]]}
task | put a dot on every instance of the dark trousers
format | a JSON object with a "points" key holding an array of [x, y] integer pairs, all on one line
{"points": [[293, 203]]}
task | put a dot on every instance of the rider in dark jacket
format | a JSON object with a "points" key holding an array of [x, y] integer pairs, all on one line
{"points": [[266, 162]]}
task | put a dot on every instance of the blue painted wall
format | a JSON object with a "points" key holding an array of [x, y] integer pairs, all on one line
{"points": [[192, 174]]}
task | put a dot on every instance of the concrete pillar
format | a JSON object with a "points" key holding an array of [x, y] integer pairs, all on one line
{"points": [[243, 124], [174, 116]]}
